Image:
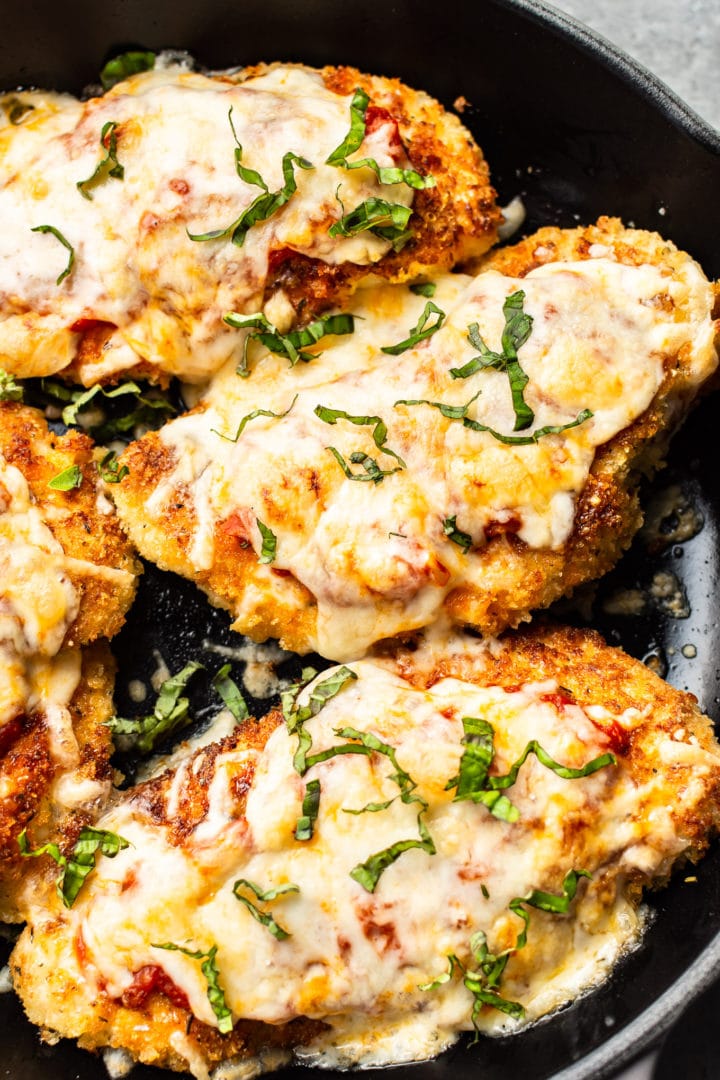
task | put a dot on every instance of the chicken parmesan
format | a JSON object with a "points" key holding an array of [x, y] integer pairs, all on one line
{"points": [[136, 220], [452, 838], [67, 577], [472, 456]]}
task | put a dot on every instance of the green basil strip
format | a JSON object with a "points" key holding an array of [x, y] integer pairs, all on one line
{"points": [[518, 327], [108, 167], [81, 400], [424, 288], [544, 901], [384, 219], [290, 345], [68, 479], [462, 539], [109, 470], [369, 872], [59, 236], [296, 717], [263, 917], [262, 207], [373, 473], [230, 693], [249, 176], [379, 433], [171, 714], [269, 543], [289, 695], [451, 412], [126, 64], [9, 389], [215, 993], [310, 809], [420, 331], [352, 142], [474, 782], [76, 867], [527, 440]]}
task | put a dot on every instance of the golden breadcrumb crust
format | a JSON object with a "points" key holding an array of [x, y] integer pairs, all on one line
{"points": [[587, 671], [87, 529], [28, 769], [512, 579]]}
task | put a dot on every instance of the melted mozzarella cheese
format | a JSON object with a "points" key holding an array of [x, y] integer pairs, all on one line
{"points": [[38, 602], [135, 266], [377, 557], [358, 959]]}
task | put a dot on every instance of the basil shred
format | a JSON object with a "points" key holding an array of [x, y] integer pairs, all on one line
{"points": [[108, 167], [265, 204], [484, 982], [420, 332], [462, 539], [67, 480], [263, 917], [65, 243], [289, 345], [269, 543], [124, 65], [215, 993], [230, 693], [171, 714], [147, 411], [373, 472], [9, 389], [384, 219], [110, 470], [253, 416], [76, 867], [475, 783]]}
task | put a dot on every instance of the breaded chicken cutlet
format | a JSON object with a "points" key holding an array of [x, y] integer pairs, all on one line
{"points": [[455, 837], [137, 220], [67, 578], [473, 456]]}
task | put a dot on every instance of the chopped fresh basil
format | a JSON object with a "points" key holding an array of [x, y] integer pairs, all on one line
{"points": [[373, 472], [59, 236], [76, 867], [484, 982], [253, 416], [518, 327], [289, 695], [126, 64], [424, 288], [384, 219], [310, 808], [109, 166], [289, 345], [452, 412], [230, 693], [263, 917], [109, 470], [147, 410], [17, 110], [475, 783], [82, 399], [423, 329], [462, 539], [215, 993], [459, 412], [352, 142], [484, 891], [269, 543], [265, 204], [320, 694], [9, 389], [67, 480], [171, 714]]}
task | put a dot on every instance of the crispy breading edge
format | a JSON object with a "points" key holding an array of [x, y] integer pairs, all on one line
{"points": [[515, 579], [83, 530]]}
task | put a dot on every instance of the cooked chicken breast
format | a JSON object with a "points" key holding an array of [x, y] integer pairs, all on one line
{"points": [[347, 883], [474, 456], [135, 221]]}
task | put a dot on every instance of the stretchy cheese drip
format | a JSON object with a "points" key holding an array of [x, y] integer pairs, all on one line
{"points": [[135, 266], [38, 602], [377, 557], [357, 959]]}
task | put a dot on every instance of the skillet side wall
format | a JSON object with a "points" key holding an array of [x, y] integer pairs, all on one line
{"points": [[578, 132]]}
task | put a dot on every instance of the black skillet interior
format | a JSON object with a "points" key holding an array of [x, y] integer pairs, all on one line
{"points": [[577, 131]]}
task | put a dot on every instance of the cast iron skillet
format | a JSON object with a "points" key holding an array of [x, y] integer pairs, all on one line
{"points": [[578, 130]]}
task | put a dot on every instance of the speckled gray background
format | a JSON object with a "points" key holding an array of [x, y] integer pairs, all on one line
{"points": [[678, 40]]}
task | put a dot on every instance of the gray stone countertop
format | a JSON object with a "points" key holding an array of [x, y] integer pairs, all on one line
{"points": [[678, 40]]}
